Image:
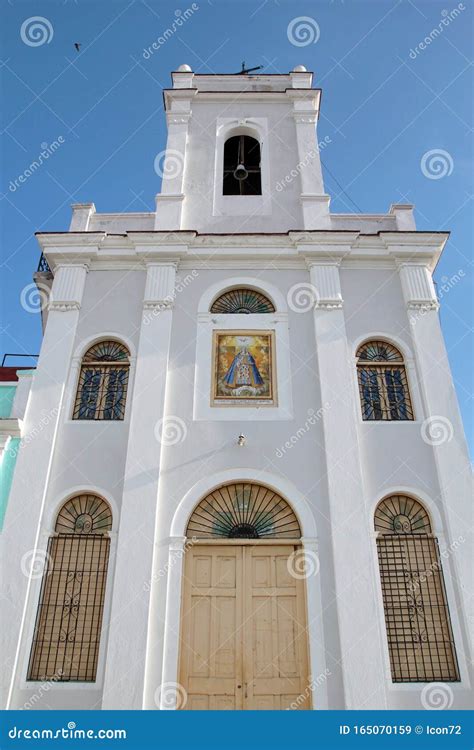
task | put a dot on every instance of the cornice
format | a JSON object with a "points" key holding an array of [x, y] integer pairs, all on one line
{"points": [[103, 250]]}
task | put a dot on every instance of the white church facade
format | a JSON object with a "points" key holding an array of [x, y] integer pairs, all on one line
{"points": [[242, 480]]}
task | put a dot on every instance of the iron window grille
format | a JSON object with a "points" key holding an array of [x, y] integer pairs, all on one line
{"points": [[383, 384], [242, 151], [419, 633], [68, 624], [103, 381], [243, 511], [242, 301]]}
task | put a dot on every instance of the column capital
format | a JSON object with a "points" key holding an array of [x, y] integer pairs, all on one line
{"points": [[159, 288], [417, 285], [68, 286], [326, 284]]}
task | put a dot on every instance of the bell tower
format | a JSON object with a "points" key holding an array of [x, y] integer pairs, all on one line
{"points": [[242, 154]]}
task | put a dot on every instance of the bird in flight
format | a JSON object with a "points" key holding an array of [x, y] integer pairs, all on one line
{"points": [[77, 46]]}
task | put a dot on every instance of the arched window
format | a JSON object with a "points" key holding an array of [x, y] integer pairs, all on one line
{"points": [[419, 634], [242, 301], [103, 381], [69, 619], [243, 511], [383, 384], [242, 173]]}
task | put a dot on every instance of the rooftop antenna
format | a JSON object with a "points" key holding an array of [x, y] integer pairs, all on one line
{"points": [[245, 70]]}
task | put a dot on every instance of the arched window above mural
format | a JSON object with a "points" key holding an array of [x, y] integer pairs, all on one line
{"points": [[243, 510], [242, 301]]}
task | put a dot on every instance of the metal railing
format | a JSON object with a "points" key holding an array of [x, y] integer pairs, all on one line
{"points": [[43, 265]]}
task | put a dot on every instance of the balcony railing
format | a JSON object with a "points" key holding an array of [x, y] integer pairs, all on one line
{"points": [[43, 265]]}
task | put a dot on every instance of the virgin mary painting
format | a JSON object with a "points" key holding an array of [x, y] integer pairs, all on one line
{"points": [[243, 366]]}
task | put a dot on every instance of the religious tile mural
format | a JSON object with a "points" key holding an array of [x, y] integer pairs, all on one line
{"points": [[243, 368]]}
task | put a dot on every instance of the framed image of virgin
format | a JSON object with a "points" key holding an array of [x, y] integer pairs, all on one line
{"points": [[243, 368]]}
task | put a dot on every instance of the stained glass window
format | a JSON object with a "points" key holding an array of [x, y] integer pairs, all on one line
{"points": [[69, 620], [383, 384], [418, 624], [103, 381]]}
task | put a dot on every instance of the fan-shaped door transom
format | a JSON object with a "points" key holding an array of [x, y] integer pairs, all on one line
{"points": [[243, 510]]}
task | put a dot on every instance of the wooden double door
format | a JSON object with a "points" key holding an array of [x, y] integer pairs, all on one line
{"points": [[243, 632]]}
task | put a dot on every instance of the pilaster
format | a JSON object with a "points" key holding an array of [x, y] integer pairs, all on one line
{"points": [[126, 657], [36, 453], [315, 204], [442, 429], [171, 166], [362, 668]]}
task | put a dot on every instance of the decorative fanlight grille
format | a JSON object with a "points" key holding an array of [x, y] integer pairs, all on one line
{"points": [[243, 511], [399, 514], [106, 351], [84, 514], [378, 351], [242, 301]]}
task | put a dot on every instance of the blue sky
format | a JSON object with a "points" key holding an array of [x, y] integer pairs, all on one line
{"points": [[386, 103]]}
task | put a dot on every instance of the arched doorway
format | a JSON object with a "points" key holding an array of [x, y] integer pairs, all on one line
{"points": [[243, 638]]}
